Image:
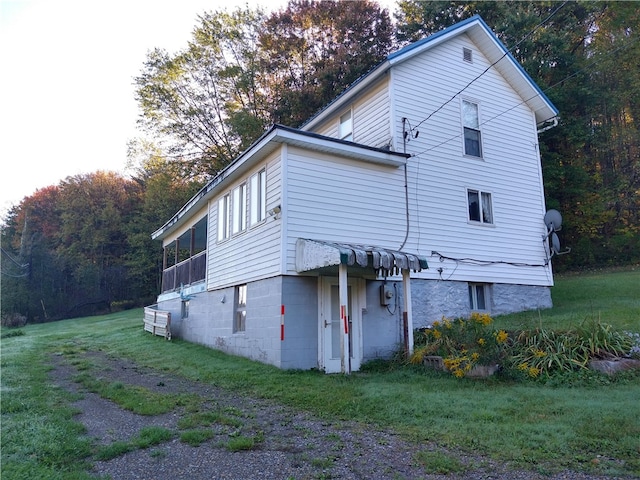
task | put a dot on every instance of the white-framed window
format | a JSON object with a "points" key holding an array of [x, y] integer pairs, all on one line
{"points": [[184, 310], [223, 217], [239, 222], [478, 296], [240, 314], [471, 128], [345, 129], [258, 197], [480, 206]]}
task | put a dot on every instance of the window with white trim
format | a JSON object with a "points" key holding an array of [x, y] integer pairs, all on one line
{"points": [[240, 317], [480, 206], [239, 222], [471, 127], [345, 129], [223, 217], [478, 296], [258, 197]]}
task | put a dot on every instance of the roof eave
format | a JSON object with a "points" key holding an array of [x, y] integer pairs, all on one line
{"points": [[267, 143]]}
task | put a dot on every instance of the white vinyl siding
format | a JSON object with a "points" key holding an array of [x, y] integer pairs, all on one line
{"points": [[342, 200], [370, 118], [254, 254], [510, 169]]}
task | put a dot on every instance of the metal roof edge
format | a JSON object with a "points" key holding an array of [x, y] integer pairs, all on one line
{"points": [[282, 134]]}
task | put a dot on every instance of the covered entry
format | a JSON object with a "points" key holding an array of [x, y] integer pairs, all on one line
{"points": [[340, 312]]}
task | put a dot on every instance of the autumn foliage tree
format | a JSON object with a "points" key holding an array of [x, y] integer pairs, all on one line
{"points": [[244, 70], [584, 55]]}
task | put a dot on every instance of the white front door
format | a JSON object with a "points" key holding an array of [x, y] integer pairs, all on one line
{"points": [[332, 328]]}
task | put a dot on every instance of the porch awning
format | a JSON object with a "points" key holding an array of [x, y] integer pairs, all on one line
{"points": [[315, 254]]}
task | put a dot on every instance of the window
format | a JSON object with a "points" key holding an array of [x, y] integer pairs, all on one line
{"points": [[223, 218], [258, 197], [345, 130], [240, 208], [480, 208], [471, 124], [240, 319], [184, 311], [478, 298]]}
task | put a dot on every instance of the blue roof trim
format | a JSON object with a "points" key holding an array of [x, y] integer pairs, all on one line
{"points": [[464, 23], [437, 35]]}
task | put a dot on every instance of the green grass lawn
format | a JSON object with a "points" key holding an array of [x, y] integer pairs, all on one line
{"points": [[613, 298], [583, 422]]}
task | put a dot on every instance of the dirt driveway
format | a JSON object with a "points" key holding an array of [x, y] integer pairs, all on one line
{"points": [[286, 444]]}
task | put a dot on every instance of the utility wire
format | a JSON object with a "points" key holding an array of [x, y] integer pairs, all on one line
{"points": [[568, 77], [8, 255], [490, 66]]}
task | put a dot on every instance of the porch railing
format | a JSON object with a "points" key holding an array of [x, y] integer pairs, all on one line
{"points": [[187, 272]]}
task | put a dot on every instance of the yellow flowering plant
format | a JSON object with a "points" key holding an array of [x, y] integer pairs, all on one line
{"points": [[462, 343]]}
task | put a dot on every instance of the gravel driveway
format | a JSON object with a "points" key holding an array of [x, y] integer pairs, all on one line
{"points": [[291, 445]]}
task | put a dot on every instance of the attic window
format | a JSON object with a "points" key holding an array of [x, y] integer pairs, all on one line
{"points": [[467, 55]]}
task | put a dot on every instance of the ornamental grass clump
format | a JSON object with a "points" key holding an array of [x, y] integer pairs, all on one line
{"points": [[462, 343], [542, 351]]}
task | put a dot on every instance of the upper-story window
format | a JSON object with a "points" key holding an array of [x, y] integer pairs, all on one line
{"points": [[480, 206], [471, 126], [258, 197], [240, 208], [345, 129], [223, 217]]}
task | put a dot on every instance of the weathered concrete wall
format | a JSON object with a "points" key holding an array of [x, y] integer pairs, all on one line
{"points": [[381, 326], [433, 299], [211, 317], [300, 345], [518, 298]]}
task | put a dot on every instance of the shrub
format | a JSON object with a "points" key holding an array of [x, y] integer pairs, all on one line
{"points": [[462, 343], [542, 351], [13, 320]]}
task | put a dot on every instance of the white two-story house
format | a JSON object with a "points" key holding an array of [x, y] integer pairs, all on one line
{"points": [[416, 194]]}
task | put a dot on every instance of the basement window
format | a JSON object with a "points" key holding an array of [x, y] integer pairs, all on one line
{"points": [[478, 296], [240, 318]]}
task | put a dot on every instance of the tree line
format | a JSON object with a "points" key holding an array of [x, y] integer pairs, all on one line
{"points": [[83, 246]]}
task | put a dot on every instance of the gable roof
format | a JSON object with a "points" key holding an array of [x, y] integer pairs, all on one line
{"points": [[266, 144], [488, 43]]}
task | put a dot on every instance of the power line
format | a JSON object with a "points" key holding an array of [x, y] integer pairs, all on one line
{"points": [[590, 65], [490, 66]]}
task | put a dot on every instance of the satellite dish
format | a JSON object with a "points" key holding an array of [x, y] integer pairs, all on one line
{"points": [[553, 220], [555, 243]]}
